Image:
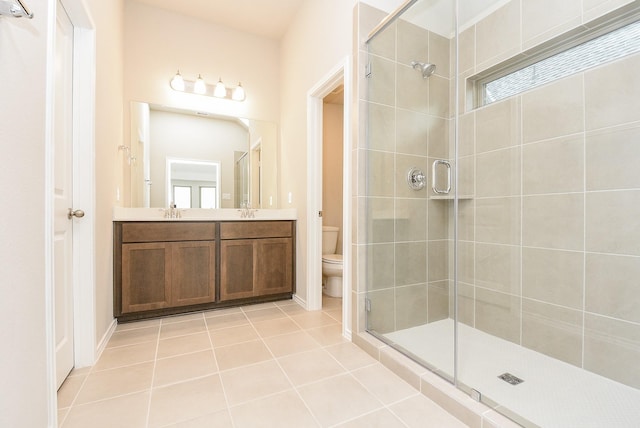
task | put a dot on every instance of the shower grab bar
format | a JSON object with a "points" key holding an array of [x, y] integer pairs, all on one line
{"points": [[434, 184]]}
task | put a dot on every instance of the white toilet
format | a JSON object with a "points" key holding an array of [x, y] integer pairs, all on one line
{"points": [[331, 263]]}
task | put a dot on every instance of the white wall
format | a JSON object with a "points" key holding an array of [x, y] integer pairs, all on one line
{"points": [[157, 43], [317, 41]]}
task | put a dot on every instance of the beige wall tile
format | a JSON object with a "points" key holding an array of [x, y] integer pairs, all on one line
{"points": [[467, 49], [439, 137], [553, 221], [498, 314], [439, 96], [611, 347], [554, 166], [411, 306], [412, 91], [498, 125], [466, 304], [439, 54], [411, 219], [378, 220], [467, 176], [542, 119], [498, 220], [411, 266], [412, 132], [438, 300], [611, 93], [498, 33], [612, 286], [382, 316], [498, 173], [538, 19], [466, 262], [467, 136], [438, 219], [438, 267], [382, 126], [612, 157], [378, 88], [379, 184], [466, 220], [612, 222], [553, 276], [413, 43], [384, 44], [497, 267], [553, 331], [380, 266]]}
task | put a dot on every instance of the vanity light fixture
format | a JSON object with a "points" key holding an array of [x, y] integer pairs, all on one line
{"points": [[200, 87], [238, 93], [220, 90]]}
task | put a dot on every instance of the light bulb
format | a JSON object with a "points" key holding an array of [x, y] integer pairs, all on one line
{"points": [[200, 87], [238, 93], [220, 91], [177, 83]]}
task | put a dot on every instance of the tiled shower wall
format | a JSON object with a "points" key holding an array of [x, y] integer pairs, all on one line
{"points": [[549, 249], [404, 231], [550, 242]]}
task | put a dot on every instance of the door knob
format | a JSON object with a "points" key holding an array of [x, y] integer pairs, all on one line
{"points": [[75, 213]]}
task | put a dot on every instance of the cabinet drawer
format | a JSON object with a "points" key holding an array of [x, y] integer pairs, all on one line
{"points": [[166, 231], [256, 229]]}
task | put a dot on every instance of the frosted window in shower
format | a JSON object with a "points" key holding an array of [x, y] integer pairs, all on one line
{"points": [[608, 47]]}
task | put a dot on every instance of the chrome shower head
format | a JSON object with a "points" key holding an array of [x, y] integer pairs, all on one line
{"points": [[426, 69]]}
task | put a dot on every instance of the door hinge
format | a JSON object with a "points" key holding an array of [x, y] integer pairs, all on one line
{"points": [[367, 70], [319, 213], [367, 304]]}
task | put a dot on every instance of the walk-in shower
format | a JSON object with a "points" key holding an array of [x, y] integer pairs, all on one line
{"points": [[500, 239]]}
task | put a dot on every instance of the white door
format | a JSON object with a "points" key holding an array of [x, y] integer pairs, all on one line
{"points": [[63, 196]]}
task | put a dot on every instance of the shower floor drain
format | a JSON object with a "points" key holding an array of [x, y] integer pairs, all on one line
{"points": [[509, 378]]}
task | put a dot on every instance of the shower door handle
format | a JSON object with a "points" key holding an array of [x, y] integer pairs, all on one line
{"points": [[434, 182]]}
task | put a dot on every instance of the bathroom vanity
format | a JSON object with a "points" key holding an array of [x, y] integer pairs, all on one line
{"points": [[169, 266]]}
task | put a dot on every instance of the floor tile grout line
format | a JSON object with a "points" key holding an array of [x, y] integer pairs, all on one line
{"points": [[224, 390], [153, 375]]}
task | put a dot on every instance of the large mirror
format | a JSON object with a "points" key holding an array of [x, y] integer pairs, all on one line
{"points": [[199, 160]]}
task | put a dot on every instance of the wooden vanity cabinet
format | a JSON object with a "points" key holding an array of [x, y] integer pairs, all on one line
{"points": [[256, 259], [168, 267], [163, 265]]}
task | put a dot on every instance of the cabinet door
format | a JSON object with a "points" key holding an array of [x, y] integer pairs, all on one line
{"points": [[237, 258], [193, 273], [274, 266], [146, 276]]}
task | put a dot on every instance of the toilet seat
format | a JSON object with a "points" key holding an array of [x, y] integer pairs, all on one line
{"points": [[332, 258]]}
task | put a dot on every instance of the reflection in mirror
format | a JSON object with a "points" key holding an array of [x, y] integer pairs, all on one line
{"points": [[193, 184], [170, 148]]}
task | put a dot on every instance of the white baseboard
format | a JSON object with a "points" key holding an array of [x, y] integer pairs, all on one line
{"points": [[105, 338], [299, 301]]}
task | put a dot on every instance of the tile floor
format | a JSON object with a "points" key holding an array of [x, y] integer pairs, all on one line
{"points": [[266, 365]]}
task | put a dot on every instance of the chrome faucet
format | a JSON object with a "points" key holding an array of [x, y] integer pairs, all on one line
{"points": [[246, 211], [172, 211]]}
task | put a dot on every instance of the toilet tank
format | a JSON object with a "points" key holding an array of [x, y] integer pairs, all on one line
{"points": [[329, 239]]}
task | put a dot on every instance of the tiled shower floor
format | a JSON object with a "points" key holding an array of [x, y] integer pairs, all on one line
{"points": [[268, 365], [553, 394]]}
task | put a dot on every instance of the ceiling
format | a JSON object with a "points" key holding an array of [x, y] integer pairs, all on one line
{"points": [[266, 18]]}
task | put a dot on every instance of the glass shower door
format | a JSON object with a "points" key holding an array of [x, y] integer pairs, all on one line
{"points": [[409, 194]]}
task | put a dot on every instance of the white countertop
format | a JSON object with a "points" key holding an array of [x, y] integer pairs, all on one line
{"points": [[201, 214]]}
